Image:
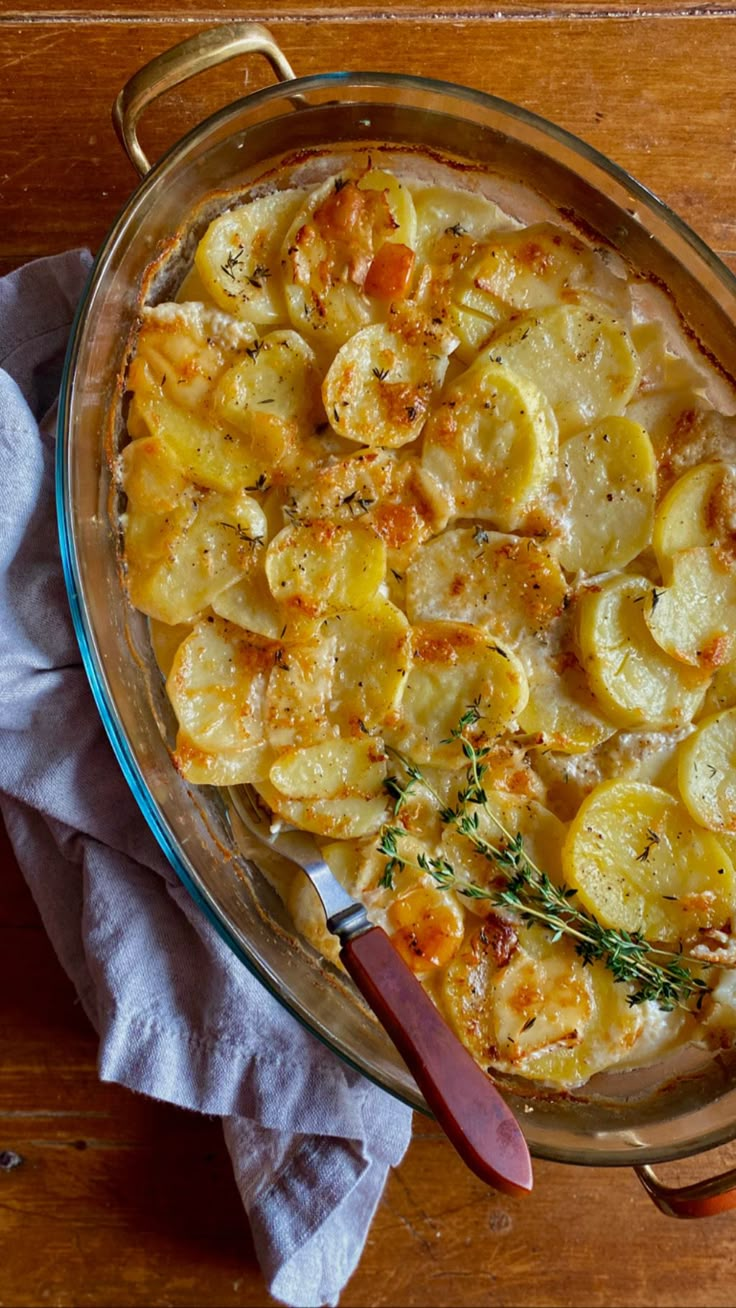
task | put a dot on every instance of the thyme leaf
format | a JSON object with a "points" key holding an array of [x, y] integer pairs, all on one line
{"points": [[660, 975]]}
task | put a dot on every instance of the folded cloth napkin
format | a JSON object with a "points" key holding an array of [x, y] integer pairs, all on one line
{"points": [[179, 1018]]}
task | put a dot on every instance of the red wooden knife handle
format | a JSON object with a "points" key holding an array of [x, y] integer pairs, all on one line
{"points": [[464, 1100]]}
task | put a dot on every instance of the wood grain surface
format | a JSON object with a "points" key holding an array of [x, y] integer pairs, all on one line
{"points": [[110, 1199]]}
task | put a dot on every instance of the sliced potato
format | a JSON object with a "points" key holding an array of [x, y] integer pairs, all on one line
{"points": [[380, 385], [721, 692], [562, 713], [250, 604], [707, 772], [444, 210], [634, 680], [536, 267], [509, 584], [492, 444], [149, 474], [238, 258], [320, 567], [340, 819], [699, 509], [526, 1005], [217, 688], [278, 378], [426, 925], [609, 476], [371, 664], [473, 330], [194, 290], [504, 814], [455, 665], [179, 558], [331, 769], [165, 641], [685, 430], [661, 368], [182, 349], [580, 358], [540, 1014], [694, 618], [299, 696], [203, 449], [201, 767], [400, 500], [639, 863]]}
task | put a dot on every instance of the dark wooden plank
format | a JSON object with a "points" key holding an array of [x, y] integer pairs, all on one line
{"points": [[620, 85], [285, 11], [119, 1200]]}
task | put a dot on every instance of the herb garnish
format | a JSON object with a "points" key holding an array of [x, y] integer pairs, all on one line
{"points": [[253, 541], [652, 840], [232, 260], [357, 503], [259, 275], [657, 974], [261, 484]]}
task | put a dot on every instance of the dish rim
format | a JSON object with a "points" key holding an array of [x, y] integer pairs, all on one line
{"points": [[91, 658]]}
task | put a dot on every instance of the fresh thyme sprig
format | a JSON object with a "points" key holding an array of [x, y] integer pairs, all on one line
{"points": [[657, 974]]}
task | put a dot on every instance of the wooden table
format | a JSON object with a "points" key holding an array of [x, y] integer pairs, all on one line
{"points": [[119, 1201]]}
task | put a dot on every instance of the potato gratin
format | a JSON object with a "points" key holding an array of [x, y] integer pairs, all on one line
{"points": [[410, 484]]}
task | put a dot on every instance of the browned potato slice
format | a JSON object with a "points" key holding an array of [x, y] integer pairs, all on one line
{"points": [[204, 450], [343, 818], [699, 509], [707, 772], [510, 584], [371, 663], [536, 267], [455, 665], [181, 350], [694, 618], [580, 358], [381, 383], [328, 250], [639, 863], [631, 676], [238, 258], [183, 545], [217, 688], [250, 604], [528, 1006], [492, 444], [400, 500], [165, 641], [318, 568], [275, 386], [610, 481]]}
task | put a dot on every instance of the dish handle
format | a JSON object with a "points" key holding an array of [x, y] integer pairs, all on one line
{"points": [[196, 54], [716, 1194]]}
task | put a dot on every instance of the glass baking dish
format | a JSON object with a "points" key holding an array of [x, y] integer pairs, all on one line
{"points": [[631, 1118]]}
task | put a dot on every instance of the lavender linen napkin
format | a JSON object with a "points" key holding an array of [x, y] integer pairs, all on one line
{"points": [[179, 1018]]}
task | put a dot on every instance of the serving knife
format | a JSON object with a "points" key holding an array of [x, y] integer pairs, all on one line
{"points": [[465, 1102]]}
